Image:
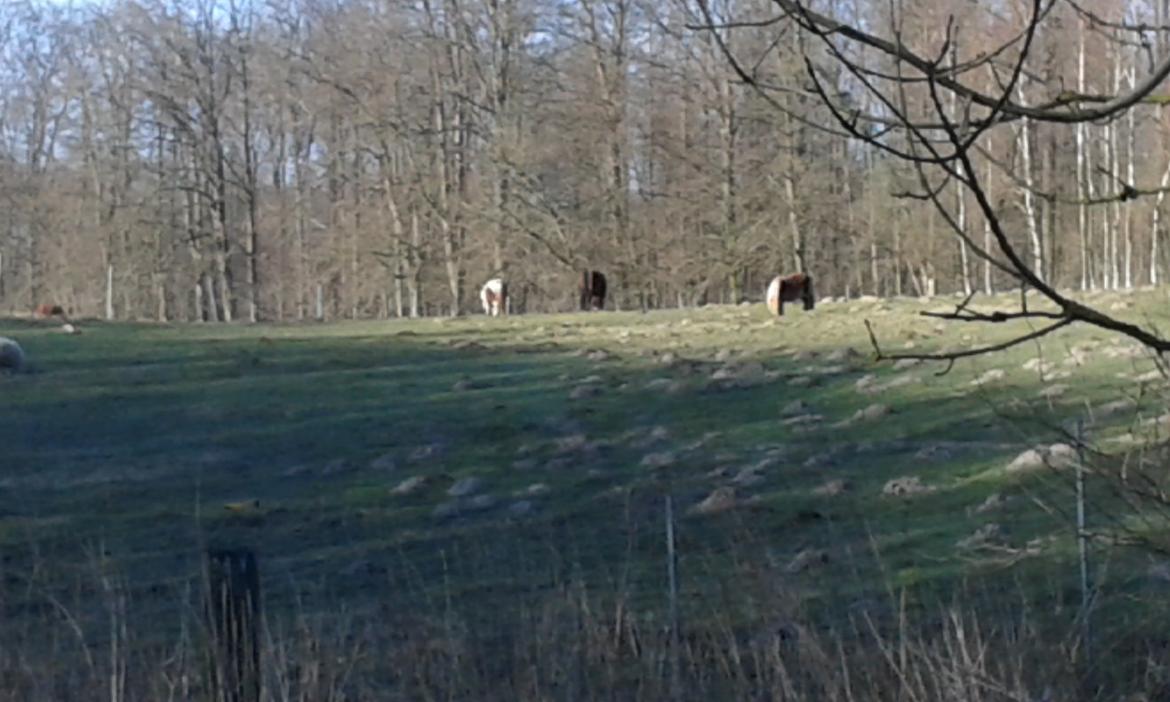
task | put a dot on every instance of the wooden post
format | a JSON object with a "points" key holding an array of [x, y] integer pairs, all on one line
{"points": [[672, 585], [1083, 545], [232, 609]]}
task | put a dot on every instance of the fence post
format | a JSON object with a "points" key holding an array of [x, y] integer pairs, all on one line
{"points": [[672, 585], [1083, 543], [232, 609]]}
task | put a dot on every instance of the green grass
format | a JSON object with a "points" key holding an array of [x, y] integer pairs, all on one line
{"points": [[129, 440]]}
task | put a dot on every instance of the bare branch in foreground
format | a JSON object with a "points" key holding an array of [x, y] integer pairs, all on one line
{"points": [[952, 356]]}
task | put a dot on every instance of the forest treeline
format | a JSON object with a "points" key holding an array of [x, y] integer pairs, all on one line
{"points": [[288, 159]]}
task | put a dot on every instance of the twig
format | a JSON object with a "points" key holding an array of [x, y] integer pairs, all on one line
{"points": [[952, 356]]}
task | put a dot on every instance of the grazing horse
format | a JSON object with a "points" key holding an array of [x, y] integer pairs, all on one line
{"points": [[494, 296], [798, 286], [592, 290], [45, 310]]}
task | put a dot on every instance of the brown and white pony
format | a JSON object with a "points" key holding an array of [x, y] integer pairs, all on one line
{"points": [[798, 286], [592, 290], [494, 296]]}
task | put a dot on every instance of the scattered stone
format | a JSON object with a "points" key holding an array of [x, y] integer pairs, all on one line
{"points": [[668, 386], [832, 488], [651, 437], [723, 355], [990, 376], [1054, 456], [385, 462], [822, 460], [662, 459], [558, 464], [520, 508], [1053, 391], [11, 355], [1110, 409], [895, 382], [933, 453], [1037, 364], [993, 502], [446, 510], [906, 486], [801, 381], [468, 345], [720, 500], [598, 355], [802, 420], [482, 502], [984, 536], [668, 358], [569, 444], [465, 487], [906, 363], [584, 391], [847, 353], [591, 380], [806, 559], [865, 381], [796, 408], [536, 490], [1149, 376], [423, 453], [1120, 305], [70, 329], [868, 414], [335, 467]]}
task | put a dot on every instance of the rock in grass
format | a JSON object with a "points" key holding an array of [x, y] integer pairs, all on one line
{"points": [[1053, 391], [336, 467], [720, 500], [446, 510], [584, 391], [385, 462], [805, 560], [832, 488], [569, 444], [847, 353], [1054, 456], [410, 486], [796, 408], [989, 377], [536, 489], [868, 414], [985, 535], [662, 459], [482, 502], [465, 486], [11, 356], [520, 508], [993, 502], [906, 486]]}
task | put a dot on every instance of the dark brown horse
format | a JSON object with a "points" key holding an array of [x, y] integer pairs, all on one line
{"points": [[45, 310], [592, 290], [798, 286]]}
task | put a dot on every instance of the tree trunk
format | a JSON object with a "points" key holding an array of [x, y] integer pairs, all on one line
{"points": [[1030, 209]]}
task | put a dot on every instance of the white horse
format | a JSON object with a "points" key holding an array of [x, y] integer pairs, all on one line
{"points": [[494, 296]]}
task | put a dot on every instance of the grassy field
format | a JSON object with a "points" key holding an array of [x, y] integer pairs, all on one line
{"points": [[333, 452]]}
